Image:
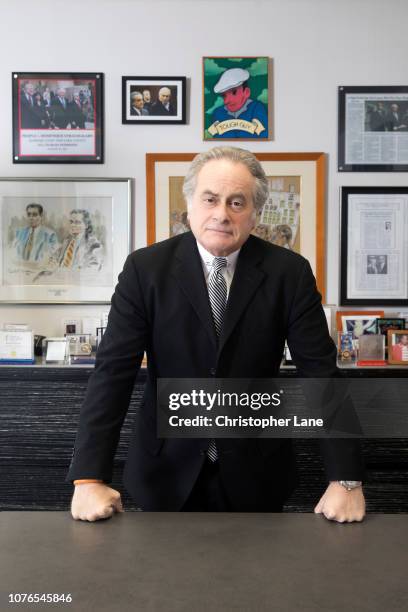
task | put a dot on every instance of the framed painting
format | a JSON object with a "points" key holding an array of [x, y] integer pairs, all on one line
{"points": [[62, 240], [236, 98], [153, 100], [292, 217], [57, 117]]}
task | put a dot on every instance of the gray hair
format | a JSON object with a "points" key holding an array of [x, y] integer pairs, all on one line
{"points": [[134, 94], [241, 156]]}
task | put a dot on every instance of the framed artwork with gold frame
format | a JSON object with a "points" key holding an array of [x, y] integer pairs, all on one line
{"points": [[293, 216]]}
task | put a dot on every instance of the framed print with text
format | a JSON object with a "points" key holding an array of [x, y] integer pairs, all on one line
{"points": [[62, 240], [153, 100], [292, 217], [373, 129], [374, 246], [57, 117], [236, 98]]}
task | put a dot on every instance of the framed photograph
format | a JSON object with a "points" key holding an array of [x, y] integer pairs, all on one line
{"points": [[57, 117], [383, 325], [374, 246], [373, 129], [236, 98], [153, 100], [292, 217], [357, 323], [62, 240], [398, 347]]}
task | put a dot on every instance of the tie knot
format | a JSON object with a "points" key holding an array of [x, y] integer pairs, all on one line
{"points": [[219, 263]]}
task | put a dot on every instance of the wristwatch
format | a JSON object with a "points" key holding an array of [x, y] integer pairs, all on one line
{"points": [[350, 484]]}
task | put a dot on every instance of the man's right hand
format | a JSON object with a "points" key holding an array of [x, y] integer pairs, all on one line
{"points": [[95, 501]]}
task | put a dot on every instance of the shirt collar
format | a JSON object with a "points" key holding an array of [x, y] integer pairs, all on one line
{"points": [[207, 258]]}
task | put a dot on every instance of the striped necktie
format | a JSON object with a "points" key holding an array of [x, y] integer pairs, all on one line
{"points": [[69, 254], [217, 291]]}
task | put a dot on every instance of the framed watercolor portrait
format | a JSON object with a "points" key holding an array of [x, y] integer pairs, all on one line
{"points": [[57, 117], [236, 98], [62, 240], [153, 100], [292, 217]]}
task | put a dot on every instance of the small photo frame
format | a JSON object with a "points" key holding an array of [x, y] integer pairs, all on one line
{"points": [[57, 117], [345, 348], [236, 98], [153, 100], [358, 323], [373, 129], [383, 325], [398, 347], [55, 351], [79, 344]]}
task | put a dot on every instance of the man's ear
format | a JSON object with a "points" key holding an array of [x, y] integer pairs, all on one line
{"points": [[247, 93]]}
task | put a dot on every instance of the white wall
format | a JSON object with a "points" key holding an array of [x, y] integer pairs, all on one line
{"points": [[315, 46]]}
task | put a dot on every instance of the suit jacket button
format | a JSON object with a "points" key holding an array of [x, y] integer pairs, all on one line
{"points": [[213, 371]]}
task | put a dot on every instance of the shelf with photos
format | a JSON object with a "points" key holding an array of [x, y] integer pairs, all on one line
{"points": [[365, 338]]}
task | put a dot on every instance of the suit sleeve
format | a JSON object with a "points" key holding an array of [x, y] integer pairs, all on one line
{"points": [[110, 385], [314, 354]]}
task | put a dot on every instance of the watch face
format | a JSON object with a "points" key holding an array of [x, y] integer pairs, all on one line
{"points": [[350, 484]]}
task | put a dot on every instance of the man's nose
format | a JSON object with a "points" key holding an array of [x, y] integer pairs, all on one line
{"points": [[220, 213]]}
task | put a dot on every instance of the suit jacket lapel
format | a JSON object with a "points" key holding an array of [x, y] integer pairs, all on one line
{"points": [[188, 271], [247, 278]]}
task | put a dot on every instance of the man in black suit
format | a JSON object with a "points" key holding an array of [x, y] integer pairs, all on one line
{"points": [[60, 110], [164, 304], [77, 117], [163, 106], [29, 120], [137, 105]]}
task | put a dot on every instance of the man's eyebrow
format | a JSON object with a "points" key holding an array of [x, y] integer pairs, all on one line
{"points": [[210, 193], [238, 194]]}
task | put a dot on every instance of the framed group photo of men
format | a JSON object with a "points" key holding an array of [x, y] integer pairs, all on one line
{"points": [[292, 217], [62, 240], [153, 100], [373, 129], [57, 117], [236, 98]]}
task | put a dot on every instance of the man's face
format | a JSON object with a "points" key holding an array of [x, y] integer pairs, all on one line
{"points": [[77, 224], [404, 340], [164, 95], [221, 212], [394, 108], [34, 217], [146, 96], [236, 97], [29, 89], [381, 259], [61, 93], [138, 101]]}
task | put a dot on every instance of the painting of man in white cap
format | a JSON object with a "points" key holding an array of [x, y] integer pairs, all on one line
{"points": [[237, 114]]}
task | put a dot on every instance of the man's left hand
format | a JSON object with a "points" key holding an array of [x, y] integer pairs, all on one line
{"points": [[339, 504]]}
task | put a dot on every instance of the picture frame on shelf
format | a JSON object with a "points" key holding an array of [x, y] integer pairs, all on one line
{"points": [[374, 247], [236, 100], [58, 117], [397, 347], [373, 129], [358, 323], [295, 204], [154, 100], [62, 240]]}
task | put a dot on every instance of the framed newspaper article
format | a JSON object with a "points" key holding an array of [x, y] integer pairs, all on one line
{"points": [[62, 240], [374, 246], [57, 117], [373, 129], [292, 217]]}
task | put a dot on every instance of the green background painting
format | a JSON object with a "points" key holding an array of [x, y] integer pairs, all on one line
{"points": [[215, 66]]}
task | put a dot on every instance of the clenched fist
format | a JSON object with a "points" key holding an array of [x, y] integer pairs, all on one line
{"points": [[94, 501]]}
